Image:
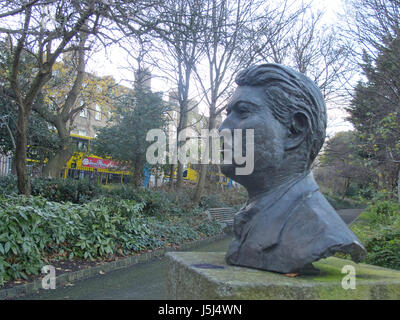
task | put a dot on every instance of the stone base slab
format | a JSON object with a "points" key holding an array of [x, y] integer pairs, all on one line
{"points": [[205, 275]]}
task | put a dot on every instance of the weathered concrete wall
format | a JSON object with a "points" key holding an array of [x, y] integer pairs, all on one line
{"points": [[214, 279]]}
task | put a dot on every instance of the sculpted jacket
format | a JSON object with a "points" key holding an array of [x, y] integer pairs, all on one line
{"points": [[289, 228]]}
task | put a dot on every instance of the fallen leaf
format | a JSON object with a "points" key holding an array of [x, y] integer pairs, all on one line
{"points": [[291, 275]]}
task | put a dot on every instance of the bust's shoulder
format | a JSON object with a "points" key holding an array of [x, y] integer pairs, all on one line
{"points": [[316, 202], [314, 215], [306, 197]]}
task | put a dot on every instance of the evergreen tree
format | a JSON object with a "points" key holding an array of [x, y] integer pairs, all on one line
{"points": [[125, 139], [375, 111]]}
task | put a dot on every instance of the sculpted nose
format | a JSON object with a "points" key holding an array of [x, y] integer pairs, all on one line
{"points": [[226, 125]]}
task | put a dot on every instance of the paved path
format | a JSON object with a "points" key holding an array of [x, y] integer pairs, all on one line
{"points": [[138, 282], [143, 281]]}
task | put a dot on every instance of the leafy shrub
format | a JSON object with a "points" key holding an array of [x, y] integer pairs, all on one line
{"points": [[212, 201], [384, 250], [378, 228], [339, 203], [8, 184], [60, 190], [157, 202], [34, 231], [224, 198], [382, 212], [63, 190], [367, 192]]}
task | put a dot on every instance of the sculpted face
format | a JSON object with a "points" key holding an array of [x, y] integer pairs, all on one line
{"points": [[248, 109]]}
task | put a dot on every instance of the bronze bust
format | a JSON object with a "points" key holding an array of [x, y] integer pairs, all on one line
{"points": [[286, 223]]}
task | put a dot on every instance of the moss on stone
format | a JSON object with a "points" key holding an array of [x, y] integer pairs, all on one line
{"points": [[186, 281]]}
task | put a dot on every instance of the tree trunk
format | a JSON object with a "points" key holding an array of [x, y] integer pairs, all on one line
{"points": [[398, 185], [346, 187], [221, 179], [171, 177], [179, 176], [137, 173], [182, 125], [204, 166], [200, 183], [57, 163], [59, 160], [21, 148]]}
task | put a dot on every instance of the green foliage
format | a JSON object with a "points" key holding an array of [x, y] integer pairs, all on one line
{"points": [[63, 190], [8, 184], [224, 198], [342, 169], [375, 113], [156, 202], [125, 140], [35, 231], [378, 228], [41, 140], [384, 250], [367, 192], [59, 190], [213, 200], [382, 212], [339, 203]]}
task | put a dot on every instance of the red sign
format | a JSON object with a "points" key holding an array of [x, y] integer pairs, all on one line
{"points": [[99, 163]]}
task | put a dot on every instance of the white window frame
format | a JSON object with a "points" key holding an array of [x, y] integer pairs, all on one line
{"points": [[84, 113], [98, 113]]}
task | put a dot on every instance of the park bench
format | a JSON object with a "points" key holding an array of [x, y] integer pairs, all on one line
{"points": [[222, 215]]}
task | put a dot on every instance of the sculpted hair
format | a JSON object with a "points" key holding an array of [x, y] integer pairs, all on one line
{"points": [[290, 92]]}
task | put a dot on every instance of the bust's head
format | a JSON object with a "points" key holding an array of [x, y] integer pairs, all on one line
{"points": [[288, 114]]}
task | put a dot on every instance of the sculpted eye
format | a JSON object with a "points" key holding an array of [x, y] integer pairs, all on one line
{"points": [[244, 113]]}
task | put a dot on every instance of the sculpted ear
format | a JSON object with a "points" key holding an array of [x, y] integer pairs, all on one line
{"points": [[298, 130]]}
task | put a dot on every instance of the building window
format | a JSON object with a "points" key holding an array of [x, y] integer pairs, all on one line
{"points": [[98, 112], [83, 113]]}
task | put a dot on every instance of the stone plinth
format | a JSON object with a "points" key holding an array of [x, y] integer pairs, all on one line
{"points": [[205, 275]]}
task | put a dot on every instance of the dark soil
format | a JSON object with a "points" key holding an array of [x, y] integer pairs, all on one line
{"points": [[63, 266]]}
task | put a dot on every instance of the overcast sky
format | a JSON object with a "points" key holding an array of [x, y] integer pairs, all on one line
{"points": [[113, 62]]}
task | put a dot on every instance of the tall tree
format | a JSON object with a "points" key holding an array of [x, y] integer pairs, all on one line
{"points": [[47, 29], [68, 92], [179, 52], [224, 25], [41, 140], [125, 140], [342, 162], [373, 30], [375, 112]]}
